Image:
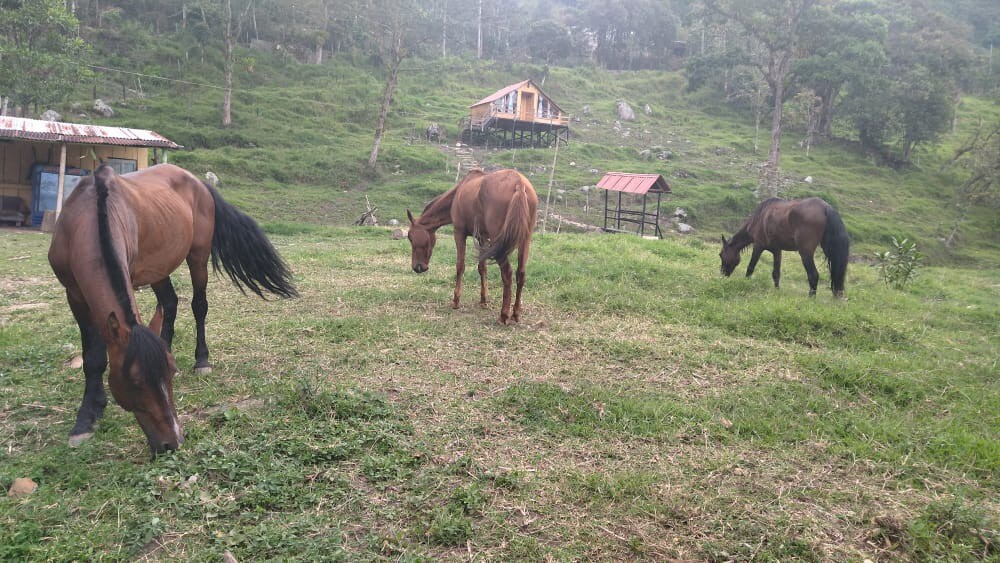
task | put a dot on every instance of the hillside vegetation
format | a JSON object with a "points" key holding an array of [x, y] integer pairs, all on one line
{"points": [[296, 153]]}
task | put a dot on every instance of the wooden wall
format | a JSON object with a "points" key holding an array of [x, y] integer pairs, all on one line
{"points": [[17, 158]]}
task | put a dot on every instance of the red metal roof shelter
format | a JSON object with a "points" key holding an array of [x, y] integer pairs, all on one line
{"points": [[59, 132], [634, 185]]}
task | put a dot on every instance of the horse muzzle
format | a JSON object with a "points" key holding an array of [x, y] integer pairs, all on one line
{"points": [[157, 447], [420, 268]]}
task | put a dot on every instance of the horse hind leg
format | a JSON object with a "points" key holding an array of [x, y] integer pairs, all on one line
{"points": [[482, 283], [460, 243], [776, 272], [95, 361], [506, 275], [522, 266], [199, 307], [811, 272]]}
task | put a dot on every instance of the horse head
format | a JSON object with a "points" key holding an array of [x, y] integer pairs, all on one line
{"points": [[730, 257], [422, 242], [141, 379]]}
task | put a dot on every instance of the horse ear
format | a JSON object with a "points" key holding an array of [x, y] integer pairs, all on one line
{"points": [[119, 334], [724, 240], [156, 323], [410, 215]]}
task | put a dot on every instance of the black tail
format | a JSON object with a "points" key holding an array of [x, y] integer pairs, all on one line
{"points": [[246, 254], [837, 248]]}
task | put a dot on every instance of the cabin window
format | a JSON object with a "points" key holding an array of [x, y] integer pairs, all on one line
{"points": [[123, 165]]}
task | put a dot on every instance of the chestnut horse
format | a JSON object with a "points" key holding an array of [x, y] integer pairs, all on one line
{"points": [[499, 211], [800, 225], [119, 232]]}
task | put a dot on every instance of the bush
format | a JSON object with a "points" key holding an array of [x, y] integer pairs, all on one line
{"points": [[898, 266]]}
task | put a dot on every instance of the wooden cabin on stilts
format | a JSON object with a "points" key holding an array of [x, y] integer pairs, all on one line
{"points": [[518, 115]]}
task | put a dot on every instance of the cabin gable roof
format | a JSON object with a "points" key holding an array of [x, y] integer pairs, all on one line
{"points": [[508, 89]]}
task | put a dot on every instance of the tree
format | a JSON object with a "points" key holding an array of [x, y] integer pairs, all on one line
{"points": [[843, 43], [41, 53], [389, 36], [909, 98], [227, 97], [980, 157], [630, 34], [771, 36]]}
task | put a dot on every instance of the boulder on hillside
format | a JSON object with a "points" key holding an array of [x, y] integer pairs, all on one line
{"points": [[211, 179], [625, 112], [51, 115], [647, 110], [102, 108]]}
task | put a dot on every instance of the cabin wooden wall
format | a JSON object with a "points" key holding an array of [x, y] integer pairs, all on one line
{"points": [[17, 158]]}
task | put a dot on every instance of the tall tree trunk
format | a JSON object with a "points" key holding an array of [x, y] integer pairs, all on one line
{"points": [[227, 97], [390, 86], [444, 30], [828, 95], [479, 32]]}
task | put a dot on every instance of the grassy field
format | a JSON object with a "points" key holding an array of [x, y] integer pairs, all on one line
{"points": [[645, 408]]}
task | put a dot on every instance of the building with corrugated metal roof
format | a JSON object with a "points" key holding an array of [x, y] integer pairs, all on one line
{"points": [[633, 188], [520, 114], [41, 161]]}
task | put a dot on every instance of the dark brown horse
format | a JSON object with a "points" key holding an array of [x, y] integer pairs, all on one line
{"points": [[499, 211], [800, 225], [119, 232]]}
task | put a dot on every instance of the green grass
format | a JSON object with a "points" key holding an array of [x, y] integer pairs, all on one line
{"points": [[644, 408]]}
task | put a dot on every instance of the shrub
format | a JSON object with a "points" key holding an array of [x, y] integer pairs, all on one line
{"points": [[898, 266]]}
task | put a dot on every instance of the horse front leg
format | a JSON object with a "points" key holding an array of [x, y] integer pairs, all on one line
{"points": [[507, 277], [811, 272], [776, 272], [167, 298], [459, 268], [198, 265], [757, 251], [95, 361], [482, 283]]}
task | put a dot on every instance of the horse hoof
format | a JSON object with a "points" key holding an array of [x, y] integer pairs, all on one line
{"points": [[77, 439], [204, 370]]}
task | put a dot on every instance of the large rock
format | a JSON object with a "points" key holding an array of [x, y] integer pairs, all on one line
{"points": [[103, 108], [51, 115], [211, 179], [625, 112]]}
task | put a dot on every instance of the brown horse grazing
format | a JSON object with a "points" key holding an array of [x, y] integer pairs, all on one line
{"points": [[499, 210], [119, 232], [800, 225]]}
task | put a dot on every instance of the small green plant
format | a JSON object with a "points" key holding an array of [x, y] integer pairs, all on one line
{"points": [[898, 266]]}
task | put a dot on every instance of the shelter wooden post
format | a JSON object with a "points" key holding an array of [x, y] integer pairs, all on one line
{"points": [[62, 179]]}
